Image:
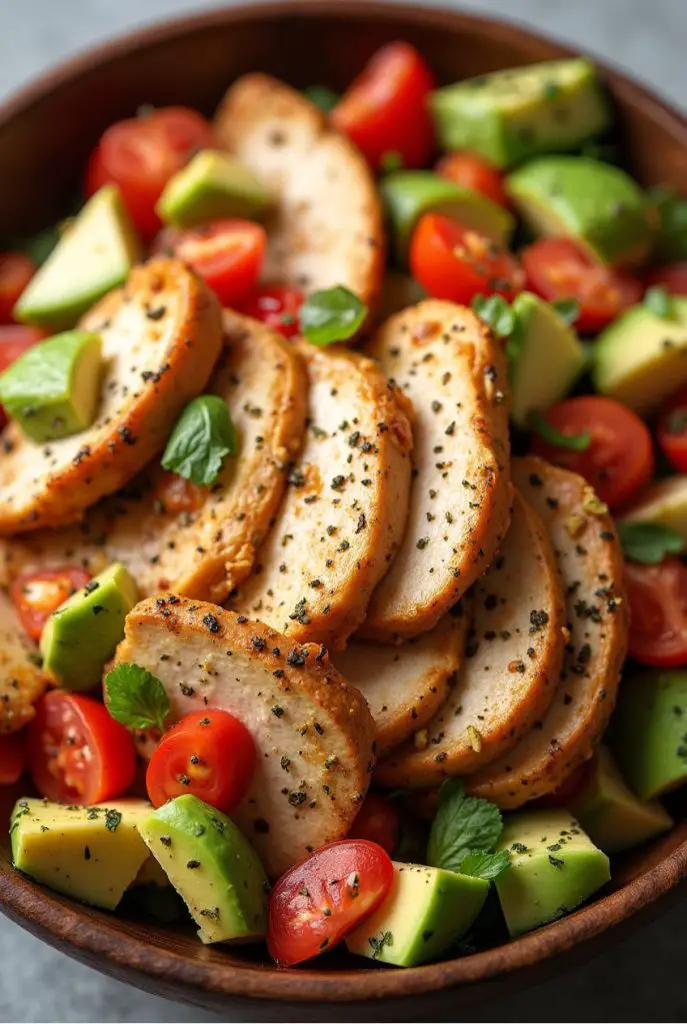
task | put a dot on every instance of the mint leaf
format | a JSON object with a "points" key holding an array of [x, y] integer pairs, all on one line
{"points": [[567, 309], [136, 698], [649, 543], [548, 433], [333, 314], [482, 864], [660, 302], [462, 824], [322, 97], [202, 437], [496, 313]]}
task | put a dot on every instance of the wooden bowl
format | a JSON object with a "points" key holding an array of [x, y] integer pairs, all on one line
{"points": [[46, 133]]}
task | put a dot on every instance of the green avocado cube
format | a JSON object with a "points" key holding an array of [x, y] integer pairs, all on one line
{"points": [[52, 390], [511, 115], [671, 238], [81, 636], [663, 503], [211, 186], [212, 866], [426, 911]]}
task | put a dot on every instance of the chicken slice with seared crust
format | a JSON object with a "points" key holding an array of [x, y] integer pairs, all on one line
{"points": [[21, 680]]}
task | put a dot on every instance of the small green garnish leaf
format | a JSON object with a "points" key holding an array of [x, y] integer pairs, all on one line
{"points": [[660, 302], [567, 309], [333, 314], [378, 944], [39, 246], [482, 864], [496, 313], [391, 161], [552, 90], [322, 97], [462, 825], [649, 543], [202, 438], [569, 442], [112, 819], [136, 698]]}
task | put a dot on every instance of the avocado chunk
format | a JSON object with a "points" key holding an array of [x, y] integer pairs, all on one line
{"points": [[212, 866], [90, 853], [514, 114], [93, 256], [671, 238], [642, 358], [212, 185], [83, 633], [611, 815], [648, 732], [554, 867], [52, 390], [408, 195], [664, 503], [545, 357], [427, 909], [599, 206]]}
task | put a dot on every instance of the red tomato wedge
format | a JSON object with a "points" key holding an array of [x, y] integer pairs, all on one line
{"points": [[12, 757], [141, 154], [36, 595], [658, 612], [672, 277], [377, 821], [177, 494], [77, 754], [385, 110], [474, 172], [16, 270], [14, 341], [452, 262], [276, 305], [671, 432], [208, 753], [619, 460], [317, 903], [557, 268]]}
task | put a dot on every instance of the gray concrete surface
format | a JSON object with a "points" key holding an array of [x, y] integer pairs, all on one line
{"points": [[643, 978]]}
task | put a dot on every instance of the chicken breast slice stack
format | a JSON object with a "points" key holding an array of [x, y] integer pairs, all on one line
{"points": [[313, 732], [447, 362], [344, 513], [21, 680]]}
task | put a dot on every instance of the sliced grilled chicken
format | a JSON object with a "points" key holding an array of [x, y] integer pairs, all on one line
{"points": [[446, 361], [161, 335], [327, 228], [313, 732], [405, 685], [512, 663], [591, 564], [21, 679], [343, 516], [207, 548]]}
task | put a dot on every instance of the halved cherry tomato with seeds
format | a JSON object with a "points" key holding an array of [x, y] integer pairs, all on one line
{"points": [[378, 821], [474, 172], [319, 901], [276, 305], [12, 757], [177, 494], [37, 594], [671, 432], [16, 270], [658, 612]]}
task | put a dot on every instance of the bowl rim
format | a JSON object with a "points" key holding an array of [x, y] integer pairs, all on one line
{"points": [[92, 934]]}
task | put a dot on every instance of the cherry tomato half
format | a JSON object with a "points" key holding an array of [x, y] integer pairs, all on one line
{"points": [[671, 432], [12, 757], [141, 154], [209, 753], [658, 612], [36, 595], [452, 262], [619, 460], [385, 109], [378, 821], [276, 305], [474, 172], [177, 494], [319, 901], [557, 268], [228, 254], [14, 341], [672, 277], [77, 754], [16, 270]]}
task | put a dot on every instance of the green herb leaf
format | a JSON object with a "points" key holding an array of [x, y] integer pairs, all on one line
{"points": [[378, 944], [482, 864], [660, 302], [649, 543], [569, 442], [112, 819], [136, 698], [203, 436], [567, 309], [333, 314], [496, 313], [391, 161], [322, 97], [462, 824]]}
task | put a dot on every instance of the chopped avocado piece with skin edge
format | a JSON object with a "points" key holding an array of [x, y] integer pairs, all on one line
{"points": [[213, 185], [426, 911], [212, 866], [92, 257], [90, 853], [599, 206], [83, 633], [663, 503], [52, 390], [554, 867], [514, 114]]}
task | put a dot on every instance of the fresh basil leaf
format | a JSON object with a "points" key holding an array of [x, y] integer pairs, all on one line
{"points": [[496, 313], [660, 302], [567, 309], [391, 161], [462, 824], [569, 442], [482, 864], [203, 436], [333, 314], [322, 97], [649, 543], [136, 698]]}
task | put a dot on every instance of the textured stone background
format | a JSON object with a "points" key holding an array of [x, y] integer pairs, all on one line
{"points": [[641, 979]]}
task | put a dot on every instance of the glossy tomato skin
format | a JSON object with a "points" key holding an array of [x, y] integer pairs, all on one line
{"points": [[672, 277], [378, 821], [140, 154], [36, 595], [208, 753], [276, 305], [385, 109], [671, 432], [317, 903], [12, 757], [620, 459], [454, 263], [557, 268], [658, 613], [16, 270], [474, 172], [14, 341], [77, 753]]}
